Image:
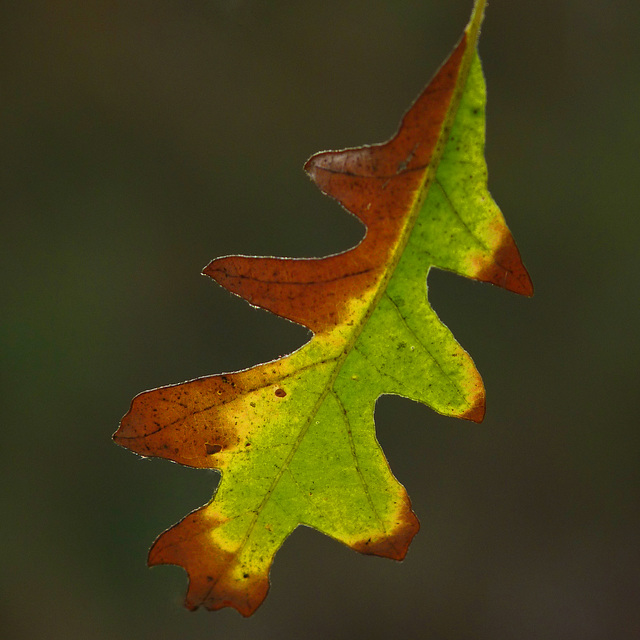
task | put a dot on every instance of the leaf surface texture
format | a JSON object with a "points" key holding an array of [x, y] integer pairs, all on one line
{"points": [[295, 438]]}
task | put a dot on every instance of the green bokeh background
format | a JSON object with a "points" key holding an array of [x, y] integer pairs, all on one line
{"points": [[139, 140]]}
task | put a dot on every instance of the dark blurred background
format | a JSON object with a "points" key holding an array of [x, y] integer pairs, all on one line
{"points": [[139, 140]]}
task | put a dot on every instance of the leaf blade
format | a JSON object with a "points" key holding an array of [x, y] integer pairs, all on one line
{"points": [[295, 438]]}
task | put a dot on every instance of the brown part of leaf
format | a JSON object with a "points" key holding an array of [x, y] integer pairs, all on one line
{"points": [[185, 422], [212, 584], [312, 293], [507, 270], [376, 183], [476, 413], [360, 178], [393, 544]]}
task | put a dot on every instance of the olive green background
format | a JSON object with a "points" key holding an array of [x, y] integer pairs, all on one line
{"points": [[139, 140]]}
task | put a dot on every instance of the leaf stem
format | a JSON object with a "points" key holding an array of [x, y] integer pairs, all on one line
{"points": [[475, 21]]}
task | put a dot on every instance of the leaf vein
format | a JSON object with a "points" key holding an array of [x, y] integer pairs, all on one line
{"points": [[426, 349], [356, 462]]}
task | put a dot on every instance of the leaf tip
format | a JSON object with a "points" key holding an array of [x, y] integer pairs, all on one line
{"points": [[476, 412], [332, 161], [217, 270], [323, 167], [310, 166], [123, 434], [393, 544], [506, 268], [216, 580], [133, 428]]}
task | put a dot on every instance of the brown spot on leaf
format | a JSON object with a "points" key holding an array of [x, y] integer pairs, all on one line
{"points": [[211, 449], [476, 413], [368, 183], [506, 269], [212, 583], [159, 425], [281, 393], [393, 544]]}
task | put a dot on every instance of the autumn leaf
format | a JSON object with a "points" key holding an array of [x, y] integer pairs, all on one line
{"points": [[295, 439]]}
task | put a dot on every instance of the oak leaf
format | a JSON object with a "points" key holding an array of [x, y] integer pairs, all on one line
{"points": [[294, 439]]}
